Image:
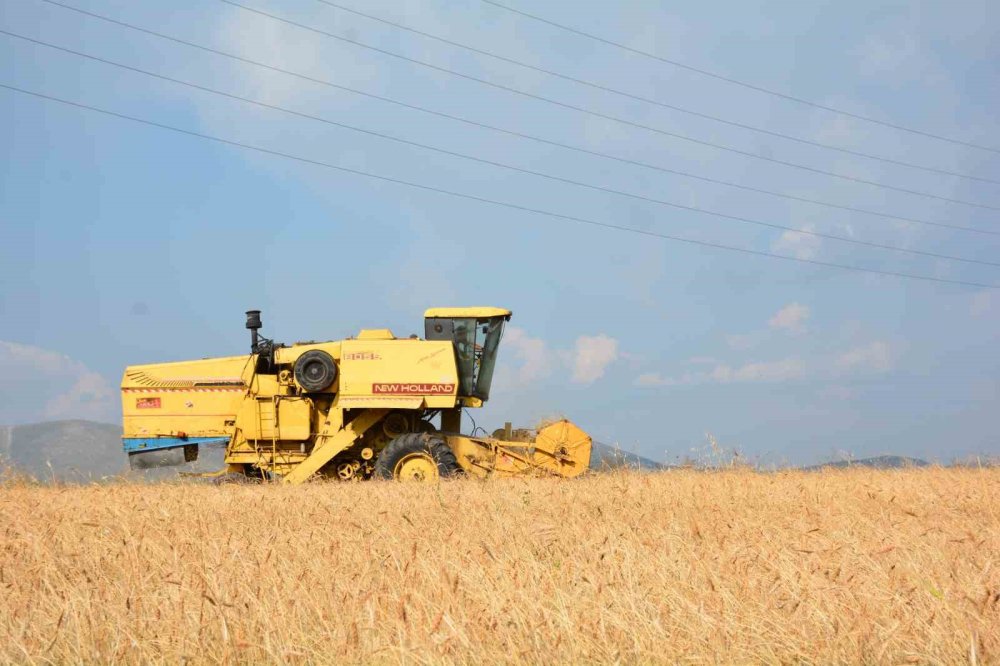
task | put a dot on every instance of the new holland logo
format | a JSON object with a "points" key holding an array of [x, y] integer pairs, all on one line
{"points": [[414, 389]]}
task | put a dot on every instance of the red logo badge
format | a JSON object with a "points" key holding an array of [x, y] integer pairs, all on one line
{"points": [[414, 389]]}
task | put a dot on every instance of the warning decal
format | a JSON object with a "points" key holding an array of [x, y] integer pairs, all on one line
{"points": [[414, 389], [147, 403]]}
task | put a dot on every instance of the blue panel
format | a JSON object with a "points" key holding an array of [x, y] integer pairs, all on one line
{"points": [[133, 444]]}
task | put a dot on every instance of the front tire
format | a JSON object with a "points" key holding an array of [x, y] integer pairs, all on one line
{"points": [[416, 457]]}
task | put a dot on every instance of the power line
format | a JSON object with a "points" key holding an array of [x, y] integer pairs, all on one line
{"points": [[495, 202], [659, 103], [738, 82], [474, 123], [502, 165], [598, 114]]}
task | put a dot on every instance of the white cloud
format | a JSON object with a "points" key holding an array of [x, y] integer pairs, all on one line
{"points": [[536, 360], [89, 397], [38, 384], [532, 354], [791, 318], [773, 371], [800, 246], [723, 373], [592, 356], [876, 356], [652, 379]]}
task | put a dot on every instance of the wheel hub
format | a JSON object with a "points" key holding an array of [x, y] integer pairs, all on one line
{"points": [[416, 467]]}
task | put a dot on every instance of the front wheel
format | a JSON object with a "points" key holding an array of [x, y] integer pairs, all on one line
{"points": [[416, 457]]}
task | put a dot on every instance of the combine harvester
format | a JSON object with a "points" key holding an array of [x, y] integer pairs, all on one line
{"points": [[352, 409]]}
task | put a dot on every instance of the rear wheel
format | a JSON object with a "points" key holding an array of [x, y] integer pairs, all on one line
{"points": [[416, 457]]}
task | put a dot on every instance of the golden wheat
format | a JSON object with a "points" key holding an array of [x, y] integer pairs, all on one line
{"points": [[679, 566]]}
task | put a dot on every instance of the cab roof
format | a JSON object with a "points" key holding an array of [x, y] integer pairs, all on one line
{"points": [[478, 312]]}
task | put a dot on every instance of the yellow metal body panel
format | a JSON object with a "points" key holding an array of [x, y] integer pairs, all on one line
{"points": [[196, 398], [382, 402], [331, 441], [288, 355], [376, 334], [372, 371], [265, 385], [478, 313], [291, 421]]}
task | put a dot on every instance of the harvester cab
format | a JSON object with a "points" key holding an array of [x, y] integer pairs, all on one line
{"points": [[476, 335], [359, 408]]}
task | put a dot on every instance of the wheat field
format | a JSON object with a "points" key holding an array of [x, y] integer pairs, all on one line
{"points": [[678, 566]]}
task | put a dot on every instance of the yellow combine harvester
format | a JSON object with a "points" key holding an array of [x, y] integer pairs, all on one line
{"points": [[357, 408]]}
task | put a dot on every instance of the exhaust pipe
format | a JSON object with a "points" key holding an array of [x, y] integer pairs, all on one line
{"points": [[253, 323]]}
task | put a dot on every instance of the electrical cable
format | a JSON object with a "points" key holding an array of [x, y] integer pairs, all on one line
{"points": [[474, 426], [744, 84], [640, 98], [502, 165], [508, 132], [495, 202], [604, 116]]}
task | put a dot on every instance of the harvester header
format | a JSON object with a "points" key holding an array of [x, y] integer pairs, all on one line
{"points": [[369, 406]]}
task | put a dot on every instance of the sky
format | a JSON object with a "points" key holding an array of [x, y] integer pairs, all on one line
{"points": [[123, 243]]}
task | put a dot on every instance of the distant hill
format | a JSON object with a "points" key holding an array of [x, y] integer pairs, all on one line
{"points": [[79, 451], [604, 457], [877, 462], [65, 450]]}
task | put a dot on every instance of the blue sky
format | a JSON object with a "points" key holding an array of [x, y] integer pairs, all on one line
{"points": [[121, 243]]}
